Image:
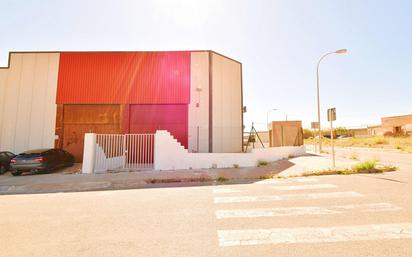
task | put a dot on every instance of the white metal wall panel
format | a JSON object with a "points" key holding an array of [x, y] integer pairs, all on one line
{"points": [[29, 108]]}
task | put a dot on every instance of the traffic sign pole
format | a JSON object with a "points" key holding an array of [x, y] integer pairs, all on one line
{"points": [[331, 118]]}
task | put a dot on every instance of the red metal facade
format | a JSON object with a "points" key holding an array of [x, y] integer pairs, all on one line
{"points": [[150, 89], [124, 78], [147, 118]]}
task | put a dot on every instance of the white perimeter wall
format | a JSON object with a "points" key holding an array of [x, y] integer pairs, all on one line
{"points": [[28, 101], [170, 155], [199, 116]]}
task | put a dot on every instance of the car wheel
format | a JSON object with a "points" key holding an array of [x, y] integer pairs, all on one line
{"points": [[16, 173], [2, 169]]}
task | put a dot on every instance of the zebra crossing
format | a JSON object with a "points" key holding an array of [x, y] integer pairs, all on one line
{"points": [[237, 203]]}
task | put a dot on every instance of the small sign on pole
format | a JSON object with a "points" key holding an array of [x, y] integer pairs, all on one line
{"points": [[332, 114], [331, 118], [314, 125]]}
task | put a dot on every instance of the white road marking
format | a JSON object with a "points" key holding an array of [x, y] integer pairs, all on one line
{"points": [[304, 187], [296, 211], [314, 234], [225, 190], [267, 198], [286, 180]]}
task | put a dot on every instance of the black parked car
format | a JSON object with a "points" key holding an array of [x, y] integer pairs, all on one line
{"points": [[5, 158], [40, 160]]}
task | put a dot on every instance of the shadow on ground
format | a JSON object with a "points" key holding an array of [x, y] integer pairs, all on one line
{"points": [[68, 180]]}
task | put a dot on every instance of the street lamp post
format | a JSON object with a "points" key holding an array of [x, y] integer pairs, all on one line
{"points": [[267, 117], [341, 51]]}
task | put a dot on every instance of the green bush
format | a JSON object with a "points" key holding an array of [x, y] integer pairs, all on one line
{"points": [[262, 163], [369, 165], [222, 179], [307, 133], [381, 141]]}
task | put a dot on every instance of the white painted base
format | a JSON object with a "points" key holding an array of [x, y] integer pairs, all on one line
{"points": [[170, 155]]}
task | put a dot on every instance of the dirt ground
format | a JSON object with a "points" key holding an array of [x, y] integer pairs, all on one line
{"points": [[403, 144]]}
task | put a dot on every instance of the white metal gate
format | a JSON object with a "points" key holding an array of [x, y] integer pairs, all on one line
{"points": [[129, 151]]}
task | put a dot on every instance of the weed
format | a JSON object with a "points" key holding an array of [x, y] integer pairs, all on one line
{"points": [[354, 157], [235, 165], [387, 168], [262, 163], [221, 179], [369, 165], [381, 141], [345, 172], [291, 156], [266, 176]]}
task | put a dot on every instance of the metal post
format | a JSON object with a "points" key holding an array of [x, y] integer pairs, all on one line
{"points": [[332, 143], [317, 86], [197, 142]]}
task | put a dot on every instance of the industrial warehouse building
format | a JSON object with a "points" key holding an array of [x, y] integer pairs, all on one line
{"points": [[51, 99], [397, 125]]}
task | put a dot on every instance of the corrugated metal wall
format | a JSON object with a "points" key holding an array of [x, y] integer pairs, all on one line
{"points": [[147, 118], [124, 78], [81, 119]]}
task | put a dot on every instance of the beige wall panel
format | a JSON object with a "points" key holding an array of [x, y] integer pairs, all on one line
{"points": [[25, 98], [11, 104], [30, 107], [51, 107], [227, 105], [37, 108], [199, 116], [3, 79]]}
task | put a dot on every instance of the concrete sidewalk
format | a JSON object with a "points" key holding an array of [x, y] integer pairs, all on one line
{"points": [[60, 182], [313, 163]]}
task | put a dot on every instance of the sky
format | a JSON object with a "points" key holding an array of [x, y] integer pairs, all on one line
{"points": [[279, 43]]}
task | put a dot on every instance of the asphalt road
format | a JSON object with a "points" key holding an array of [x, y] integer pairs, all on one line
{"points": [[356, 215]]}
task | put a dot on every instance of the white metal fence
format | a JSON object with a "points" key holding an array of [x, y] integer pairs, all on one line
{"points": [[133, 151]]}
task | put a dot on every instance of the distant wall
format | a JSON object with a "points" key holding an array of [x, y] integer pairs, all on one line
{"points": [[375, 131], [27, 101], [359, 132]]}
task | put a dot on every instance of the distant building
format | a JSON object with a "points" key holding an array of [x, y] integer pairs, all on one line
{"points": [[375, 130], [397, 125], [285, 133], [358, 132]]}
